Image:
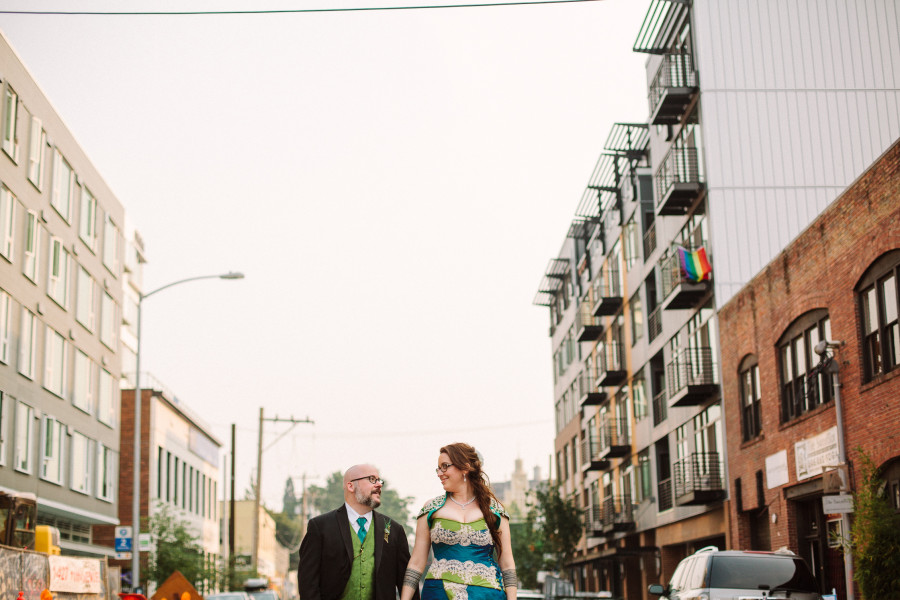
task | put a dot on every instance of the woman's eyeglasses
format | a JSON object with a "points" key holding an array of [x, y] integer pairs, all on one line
{"points": [[442, 468], [372, 479]]}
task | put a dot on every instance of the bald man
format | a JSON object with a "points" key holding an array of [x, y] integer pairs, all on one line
{"points": [[353, 552]]}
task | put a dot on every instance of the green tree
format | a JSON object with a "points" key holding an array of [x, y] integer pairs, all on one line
{"points": [[560, 523], [288, 533], [176, 549], [875, 536], [331, 496], [290, 504], [528, 545]]}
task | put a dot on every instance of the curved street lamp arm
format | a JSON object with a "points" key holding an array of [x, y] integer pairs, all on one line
{"points": [[229, 275]]}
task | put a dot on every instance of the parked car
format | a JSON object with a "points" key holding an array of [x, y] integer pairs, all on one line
{"points": [[228, 596], [749, 575]]}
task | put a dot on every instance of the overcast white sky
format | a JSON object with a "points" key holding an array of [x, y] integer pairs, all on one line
{"points": [[392, 183]]}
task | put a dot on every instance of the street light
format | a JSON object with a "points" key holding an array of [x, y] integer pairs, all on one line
{"points": [[136, 490], [832, 367]]}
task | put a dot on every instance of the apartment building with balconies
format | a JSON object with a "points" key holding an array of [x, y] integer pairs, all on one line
{"points": [[756, 123], [61, 298]]}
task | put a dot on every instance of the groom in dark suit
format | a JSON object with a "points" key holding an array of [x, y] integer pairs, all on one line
{"points": [[353, 552]]}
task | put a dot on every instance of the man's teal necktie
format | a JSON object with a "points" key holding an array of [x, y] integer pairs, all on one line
{"points": [[361, 532]]}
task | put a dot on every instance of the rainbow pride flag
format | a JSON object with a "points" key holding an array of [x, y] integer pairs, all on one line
{"points": [[694, 264]]}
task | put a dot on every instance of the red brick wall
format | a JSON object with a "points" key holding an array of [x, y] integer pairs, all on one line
{"points": [[818, 270], [105, 534]]}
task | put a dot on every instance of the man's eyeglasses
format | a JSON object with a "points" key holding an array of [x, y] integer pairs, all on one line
{"points": [[372, 479], [442, 468]]}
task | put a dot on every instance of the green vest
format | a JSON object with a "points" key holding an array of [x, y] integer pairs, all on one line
{"points": [[361, 585]]}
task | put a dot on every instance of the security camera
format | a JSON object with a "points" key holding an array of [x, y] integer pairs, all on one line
{"points": [[823, 346]]}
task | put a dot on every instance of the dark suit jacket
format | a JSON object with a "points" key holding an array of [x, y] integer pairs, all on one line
{"points": [[326, 556]]}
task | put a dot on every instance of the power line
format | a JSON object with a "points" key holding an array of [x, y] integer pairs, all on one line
{"points": [[277, 11]]}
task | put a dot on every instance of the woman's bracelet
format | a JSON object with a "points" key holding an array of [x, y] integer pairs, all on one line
{"points": [[509, 578], [411, 578]]}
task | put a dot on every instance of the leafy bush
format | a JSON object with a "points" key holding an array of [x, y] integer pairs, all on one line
{"points": [[876, 537]]}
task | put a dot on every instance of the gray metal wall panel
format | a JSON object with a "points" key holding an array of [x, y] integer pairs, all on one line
{"points": [[786, 132]]}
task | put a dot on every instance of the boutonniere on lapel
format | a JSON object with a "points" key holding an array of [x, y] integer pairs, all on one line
{"points": [[387, 529]]}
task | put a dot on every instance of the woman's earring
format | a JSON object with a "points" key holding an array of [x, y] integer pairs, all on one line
{"points": [[464, 477]]}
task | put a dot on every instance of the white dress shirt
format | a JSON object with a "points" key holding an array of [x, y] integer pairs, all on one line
{"points": [[352, 515]]}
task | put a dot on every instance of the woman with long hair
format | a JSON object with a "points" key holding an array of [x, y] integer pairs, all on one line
{"points": [[468, 530]]}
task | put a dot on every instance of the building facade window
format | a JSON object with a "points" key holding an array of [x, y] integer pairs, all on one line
{"points": [[28, 343], [52, 446], [106, 406], [32, 247], [879, 301], [10, 119], [803, 386], [55, 362], [111, 246], [58, 273], [85, 382], [4, 425], [639, 397], [36, 145], [63, 190], [24, 419], [85, 313], [81, 463], [87, 226], [644, 483], [751, 418], [5, 326], [108, 312], [637, 318], [7, 223], [106, 469]]}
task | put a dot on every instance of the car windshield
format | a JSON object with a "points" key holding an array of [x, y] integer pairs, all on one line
{"points": [[761, 572]]}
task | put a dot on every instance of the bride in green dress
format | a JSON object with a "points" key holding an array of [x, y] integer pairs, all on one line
{"points": [[468, 531]]}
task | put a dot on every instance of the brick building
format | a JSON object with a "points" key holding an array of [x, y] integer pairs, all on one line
{"points": [[179, 469], [837, 280]]}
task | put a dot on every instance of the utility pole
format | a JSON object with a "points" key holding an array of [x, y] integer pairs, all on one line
{"points": [[259, 452], [231, 513]]}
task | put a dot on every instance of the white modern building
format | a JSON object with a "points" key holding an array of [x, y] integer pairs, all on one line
{"points": [[61, 298]]}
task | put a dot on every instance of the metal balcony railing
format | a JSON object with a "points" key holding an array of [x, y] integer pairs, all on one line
{"points": [[588, 326], [670, 271], [593, 520], [650, 240], [610, 364], [699, 472], [618, 512], [589, 449], [586, 388], [664, 493], [682, 165], [676, 71], [691, 367], [607, 292], [660, 409], [614, 433], [654, 323]]}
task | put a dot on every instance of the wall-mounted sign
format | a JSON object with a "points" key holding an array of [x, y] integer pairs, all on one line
{"points": [[776, 469], [813, 454], [74, 575]]}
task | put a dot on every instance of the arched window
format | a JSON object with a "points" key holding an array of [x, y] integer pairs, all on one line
{"points": [[878, 301], [751, 417], [803, 385]]}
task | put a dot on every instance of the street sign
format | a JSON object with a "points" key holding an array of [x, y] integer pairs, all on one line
{"points": [[123, 555], [840, 504], [123, 539], [145, 542]]}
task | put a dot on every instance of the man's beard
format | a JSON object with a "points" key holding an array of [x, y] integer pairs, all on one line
{"points": [[367, 500]]}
